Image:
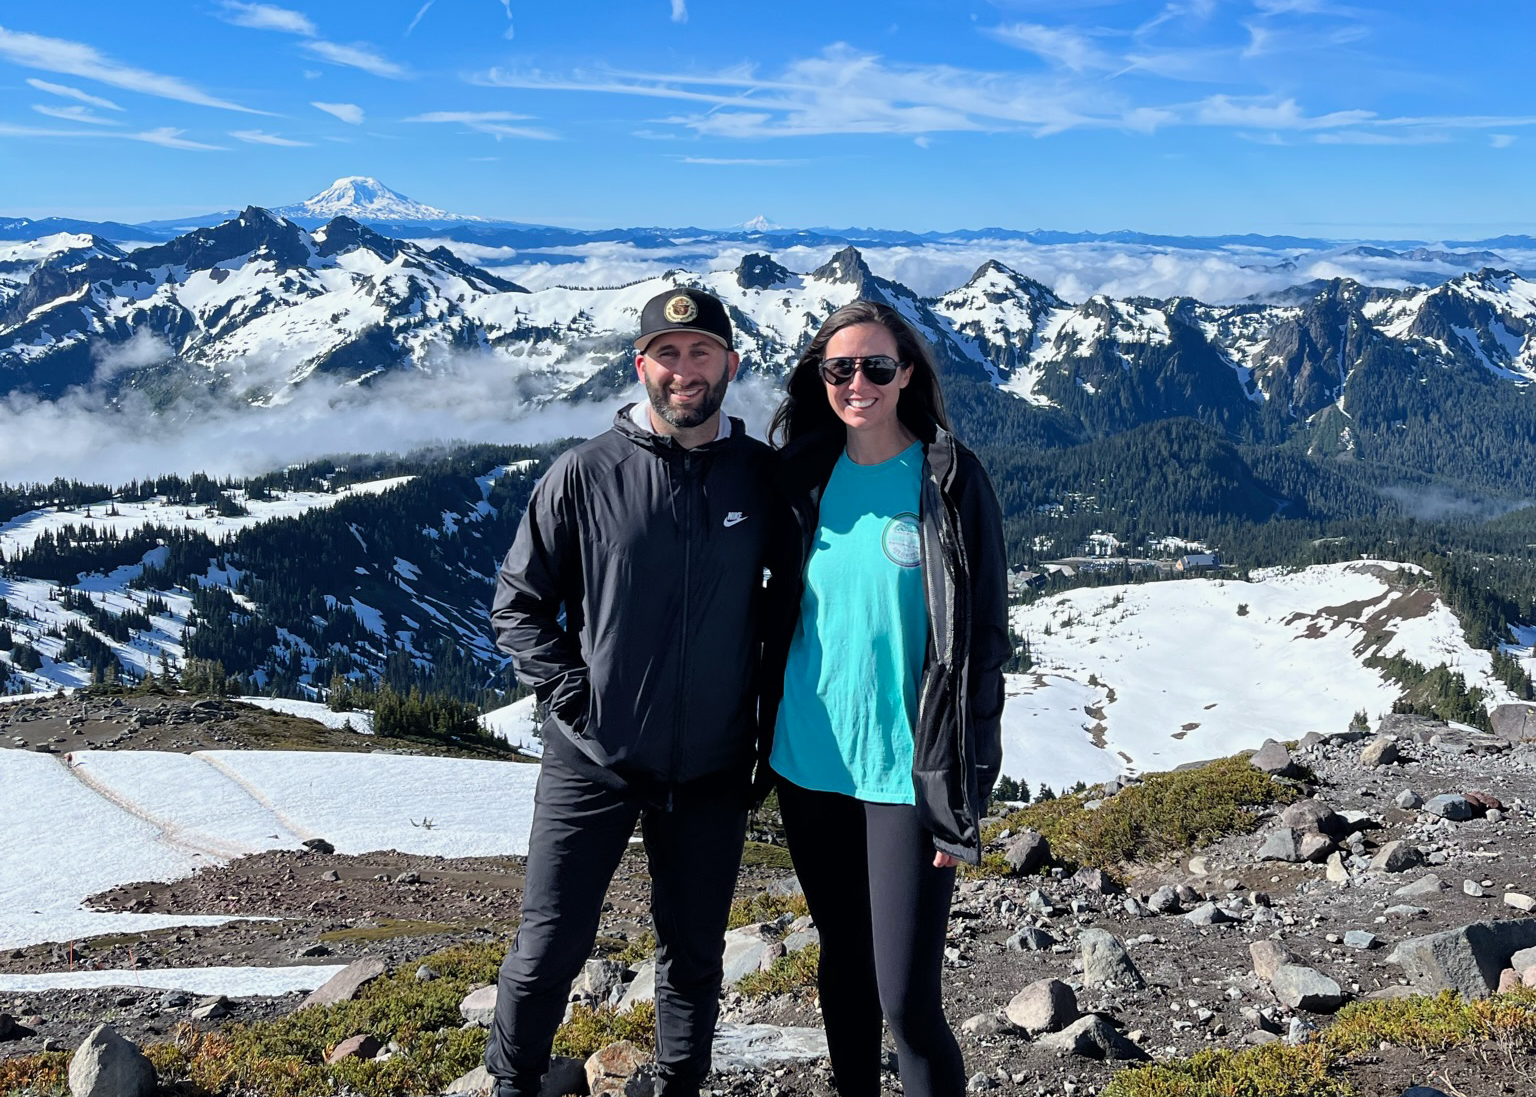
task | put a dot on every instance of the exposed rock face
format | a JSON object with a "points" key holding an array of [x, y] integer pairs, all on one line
{"points": [[616, 1069], [1091, 1037], [1301, 987], [1467, 960], [1028, 853]]}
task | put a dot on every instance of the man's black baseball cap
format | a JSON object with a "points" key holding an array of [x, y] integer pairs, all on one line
{"points": [[684, 310]]}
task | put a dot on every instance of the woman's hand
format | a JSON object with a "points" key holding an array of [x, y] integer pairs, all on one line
{"points": [[944, 860]]}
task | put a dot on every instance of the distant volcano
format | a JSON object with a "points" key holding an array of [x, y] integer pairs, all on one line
{"points": [[363, 198]]}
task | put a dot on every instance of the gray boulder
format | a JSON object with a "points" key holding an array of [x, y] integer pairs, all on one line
{"points": [[1312, 814], [1106, 963], [106, 1065], [1207, 914], [1272, 758], [1165, 900], [1422, 888], [1380, 751], [1269, 956], [479, 1006], [740, 1048], [1044, 1006], [1448, 805], [1301, 987], [1091, 1037], [344, 985], [1028, 852], [1280, 844], [1396, 857], [1467, 960], [1515, 722], [1029, 939]]}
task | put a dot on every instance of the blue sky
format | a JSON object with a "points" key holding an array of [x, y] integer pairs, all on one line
{"points": [[1409, 119]]}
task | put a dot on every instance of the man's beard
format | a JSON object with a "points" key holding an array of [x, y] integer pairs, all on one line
{"points": [[714, 396]]}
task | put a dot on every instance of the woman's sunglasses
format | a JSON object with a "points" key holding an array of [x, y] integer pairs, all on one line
{"points": [[879, 368]]}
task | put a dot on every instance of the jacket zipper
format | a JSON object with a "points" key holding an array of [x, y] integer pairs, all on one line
{"points": [[682, 666]]}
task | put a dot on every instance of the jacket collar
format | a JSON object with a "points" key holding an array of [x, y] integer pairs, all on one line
{"points": [[817, 452], [625, 425]]}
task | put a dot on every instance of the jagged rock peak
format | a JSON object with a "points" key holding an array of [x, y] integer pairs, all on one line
{"points": [[759, 271], [846, 266], [994, 272]]}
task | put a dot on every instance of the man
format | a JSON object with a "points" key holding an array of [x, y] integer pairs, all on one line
{"points": [[650, 540]]}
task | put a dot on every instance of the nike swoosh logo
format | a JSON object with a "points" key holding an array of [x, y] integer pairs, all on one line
{"points": [[735, 518]]}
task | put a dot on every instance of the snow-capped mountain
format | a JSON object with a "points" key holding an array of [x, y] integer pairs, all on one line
{"points": [[366, 199], [760, 224], [257, 305]]}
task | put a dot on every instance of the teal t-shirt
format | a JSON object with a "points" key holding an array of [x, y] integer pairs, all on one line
{"points": [[850, 683]]}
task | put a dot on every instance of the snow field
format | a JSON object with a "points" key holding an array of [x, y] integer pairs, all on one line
{"points": [[233, 981], [1192, 679], [94, 820]]}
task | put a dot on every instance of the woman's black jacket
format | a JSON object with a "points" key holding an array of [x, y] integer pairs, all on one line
{"points": [[957, 743]]}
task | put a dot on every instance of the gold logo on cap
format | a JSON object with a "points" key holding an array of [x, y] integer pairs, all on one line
{"points": [[681, 309]]}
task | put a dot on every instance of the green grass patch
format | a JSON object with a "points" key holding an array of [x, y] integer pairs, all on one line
{"points": [[589, 1030], [789, 973], [1167, 813], [1429, 1025], [765, 907], [638, 951], [1273, 1070], [762, 855]]}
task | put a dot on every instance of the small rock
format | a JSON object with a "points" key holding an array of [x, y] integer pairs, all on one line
{"points": [[1448, 805], [318, 845], [1381, 751], [609, 1069], [1207, 914], [1043, 1006], [1337, 873], [1301, 987], [344, 985], [1312, 814], [479, 1006], [980, 1083], [1361, 939], [1268, 956], [1091, 1037], [1106, 963], [361, 1046], [1409, 800], [985, 1025], [1474, 889], [1029, 939], [1519, 901], [1280, 844], [1165, 900], [1421, 888], [1397, 857]]}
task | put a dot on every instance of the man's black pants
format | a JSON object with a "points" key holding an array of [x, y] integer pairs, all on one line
{"points": [[582, 821], [882, 910]]}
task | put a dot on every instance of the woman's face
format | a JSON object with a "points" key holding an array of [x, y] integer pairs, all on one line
{"points": [[861, 404]]}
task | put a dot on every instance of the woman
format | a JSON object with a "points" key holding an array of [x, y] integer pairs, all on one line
{"points": [[885, 738]]}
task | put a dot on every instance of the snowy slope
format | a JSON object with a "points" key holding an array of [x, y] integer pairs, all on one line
{"points": [[365, 198], [1145, 678], [97, 819]]}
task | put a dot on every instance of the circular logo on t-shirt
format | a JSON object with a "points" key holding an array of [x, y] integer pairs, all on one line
{"points": [[900, 541]]}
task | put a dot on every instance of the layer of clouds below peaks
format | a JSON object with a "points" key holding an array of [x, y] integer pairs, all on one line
{"points": [[470, 399], [1075, 271]]}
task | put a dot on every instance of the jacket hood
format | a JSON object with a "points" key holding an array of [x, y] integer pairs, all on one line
{"points": [[663, 444]]}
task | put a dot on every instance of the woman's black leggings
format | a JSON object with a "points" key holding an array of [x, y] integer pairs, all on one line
{"points": [[881, 908]]}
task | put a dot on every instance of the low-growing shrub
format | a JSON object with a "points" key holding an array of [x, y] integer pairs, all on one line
{"points": [[788, 973], [46, 1073], [765, 907], [1166, 813], [1273, 1070], [589, 1030]]}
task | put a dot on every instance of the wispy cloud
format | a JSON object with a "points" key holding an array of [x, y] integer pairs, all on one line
{"points": [[257, 137], [72, 93], [1058, 46], [268, 17], [36, 51], [166, 136], [75, 114], [422, 11], [357, 56], [510, 32], [1222, 110], [1369, 137], [679, 11], [347, 112], [494, 122], [1501, 140]]}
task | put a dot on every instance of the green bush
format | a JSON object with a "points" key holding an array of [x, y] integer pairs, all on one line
{"points": [[1166, 813]]}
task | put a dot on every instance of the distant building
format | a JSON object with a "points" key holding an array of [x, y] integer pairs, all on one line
{"points": [[1021, 579], [1198, 561]]}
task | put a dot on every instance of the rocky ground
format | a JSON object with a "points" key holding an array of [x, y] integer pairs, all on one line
{"points": [[1184, 980]]}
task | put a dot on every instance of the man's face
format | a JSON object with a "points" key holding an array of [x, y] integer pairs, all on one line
{"points": [[685, 375]]}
